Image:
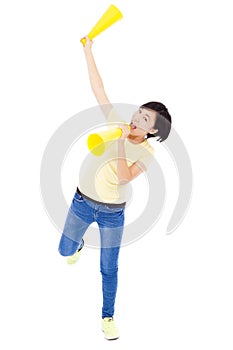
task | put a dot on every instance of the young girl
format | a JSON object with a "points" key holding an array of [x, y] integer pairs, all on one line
{"points": [[101, 195]]}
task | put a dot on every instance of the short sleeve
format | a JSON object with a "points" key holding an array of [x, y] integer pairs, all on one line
{"points": [[147, 157]]}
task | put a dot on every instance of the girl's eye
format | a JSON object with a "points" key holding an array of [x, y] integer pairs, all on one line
{"points": [[145, 119]]}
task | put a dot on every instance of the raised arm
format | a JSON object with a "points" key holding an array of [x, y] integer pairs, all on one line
{"points": [[95, 79]]}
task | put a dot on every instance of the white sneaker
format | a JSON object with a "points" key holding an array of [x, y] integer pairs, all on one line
{"points": [[74, 258], [109, 329]]}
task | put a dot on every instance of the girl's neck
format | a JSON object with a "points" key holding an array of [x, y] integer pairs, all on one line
{"points": [[135, 139]]}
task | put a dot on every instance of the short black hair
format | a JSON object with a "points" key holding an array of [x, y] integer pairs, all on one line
{"points": [[163, 120]]}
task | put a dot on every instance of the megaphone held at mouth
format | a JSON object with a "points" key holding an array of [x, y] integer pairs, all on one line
{"points": [[97, 142], [111, 16]]}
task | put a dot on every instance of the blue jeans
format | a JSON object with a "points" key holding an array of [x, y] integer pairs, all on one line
{"points": [[110, 220]]}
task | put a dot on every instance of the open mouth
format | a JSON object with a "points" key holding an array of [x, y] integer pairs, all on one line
{"points": [[132, 126]]}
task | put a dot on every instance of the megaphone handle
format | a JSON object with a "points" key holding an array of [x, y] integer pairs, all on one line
{"points": [[120, 130], [83, 41]]}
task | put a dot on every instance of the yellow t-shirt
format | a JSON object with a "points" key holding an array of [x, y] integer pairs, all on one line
{"points": [[98, 174]]}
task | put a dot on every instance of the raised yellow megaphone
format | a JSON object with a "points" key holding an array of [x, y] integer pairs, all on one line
{"points": [[112, 15], [97, 142]]}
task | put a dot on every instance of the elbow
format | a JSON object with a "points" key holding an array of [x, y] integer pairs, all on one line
{"points": [[123, 181]]}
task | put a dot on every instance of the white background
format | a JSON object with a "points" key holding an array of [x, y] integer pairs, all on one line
{"points": [[175, 292]]}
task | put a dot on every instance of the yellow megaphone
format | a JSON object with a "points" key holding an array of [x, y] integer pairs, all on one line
{"points": [[96, 142], [112, 15]]}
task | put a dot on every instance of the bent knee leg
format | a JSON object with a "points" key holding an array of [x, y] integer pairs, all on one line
{"points": [[67, 246]]}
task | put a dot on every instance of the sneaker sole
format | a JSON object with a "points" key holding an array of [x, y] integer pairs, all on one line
{"points": [[109, 338]]}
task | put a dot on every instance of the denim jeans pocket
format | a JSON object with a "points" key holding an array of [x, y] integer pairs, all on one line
{"points": [[114, 209]]}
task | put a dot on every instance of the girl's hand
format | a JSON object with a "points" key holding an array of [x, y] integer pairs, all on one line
{"points": [[88, 44], [125, 131]]}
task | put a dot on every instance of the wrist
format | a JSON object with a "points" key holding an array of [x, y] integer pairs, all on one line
{"points": [[87, 50]]}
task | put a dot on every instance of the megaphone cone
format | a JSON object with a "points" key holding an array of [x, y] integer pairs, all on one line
{"points": [[111, 16], [97, 142]]}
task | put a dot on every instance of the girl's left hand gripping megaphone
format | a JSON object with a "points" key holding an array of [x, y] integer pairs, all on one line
{"points": [[112, 15], [97, 142]]}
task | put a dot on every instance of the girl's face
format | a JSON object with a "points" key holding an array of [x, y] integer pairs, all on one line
{"points": [[143, 122]]}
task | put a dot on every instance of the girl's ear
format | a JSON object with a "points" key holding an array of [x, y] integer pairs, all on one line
{"points": [[153, 131]]}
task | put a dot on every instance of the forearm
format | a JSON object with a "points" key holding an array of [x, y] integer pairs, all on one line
{"points": [[95, 79], [123, 171], [94, 76]]}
